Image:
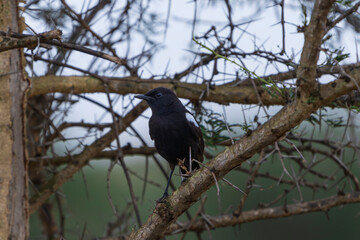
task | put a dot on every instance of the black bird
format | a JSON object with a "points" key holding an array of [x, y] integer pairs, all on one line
{"points": [[174, 130]]}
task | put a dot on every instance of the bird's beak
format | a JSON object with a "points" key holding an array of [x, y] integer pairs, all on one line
{"points": [[143, 96]]}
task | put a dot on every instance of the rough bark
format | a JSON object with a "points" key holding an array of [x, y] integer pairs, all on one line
{"points": [[243, 92], [220, 94], [13, 163]]}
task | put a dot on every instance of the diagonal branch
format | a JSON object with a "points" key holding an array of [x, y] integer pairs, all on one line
{"points": [[287, 118], [82, 159], [314, 33], [30, 41], [344, 15]]}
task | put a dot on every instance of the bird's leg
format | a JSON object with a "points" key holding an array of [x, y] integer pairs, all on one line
{"points": [[190, 160], [166, 194], [184, 173]]}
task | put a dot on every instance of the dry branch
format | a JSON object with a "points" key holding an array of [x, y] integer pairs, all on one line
{"points": [[57, 161], [82, 159], [220, 94], [314, 34], [323, 205], [16, 40], [288, 117], [30, 42]]}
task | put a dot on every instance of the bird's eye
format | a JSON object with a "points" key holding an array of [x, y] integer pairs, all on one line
{"points": [[158, 95]]}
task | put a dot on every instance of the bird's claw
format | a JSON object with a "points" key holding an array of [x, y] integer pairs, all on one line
{"points": [[184, 180], [163, 198]]}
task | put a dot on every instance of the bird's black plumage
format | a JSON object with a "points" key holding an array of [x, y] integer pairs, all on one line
{"points": [[174, 130]]}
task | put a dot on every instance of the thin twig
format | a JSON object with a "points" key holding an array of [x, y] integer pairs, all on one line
{"points": [[112, 164]]}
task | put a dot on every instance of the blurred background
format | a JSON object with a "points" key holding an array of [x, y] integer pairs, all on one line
{"points": [[155, 39]]}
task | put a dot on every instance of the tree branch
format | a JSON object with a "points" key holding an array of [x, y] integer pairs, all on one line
{"points": [[82, 159], [314, 33], [57, 161], [344, 15], [323, 205], [287, 118], [187, 194], [221, 94], [30, 42]]}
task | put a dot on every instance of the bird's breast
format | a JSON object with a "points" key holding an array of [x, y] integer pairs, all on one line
{"points": [[172, 136]]}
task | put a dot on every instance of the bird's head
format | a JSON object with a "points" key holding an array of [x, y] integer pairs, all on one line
{"points": [[161, 100]]}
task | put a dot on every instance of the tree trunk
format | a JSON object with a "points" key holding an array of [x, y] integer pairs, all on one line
{"points": [[13, 162]]}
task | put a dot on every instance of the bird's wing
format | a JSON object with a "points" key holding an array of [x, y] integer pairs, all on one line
{"points": [[200, 156], [150, 128], [197, 134]]}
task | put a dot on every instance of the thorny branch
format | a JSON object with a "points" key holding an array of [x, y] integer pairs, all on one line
{"points": [[208, 78], [323, 205], [82, 159]]}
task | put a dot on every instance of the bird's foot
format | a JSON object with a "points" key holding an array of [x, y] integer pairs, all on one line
{"points": [[184, 180], [163, 198]]}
